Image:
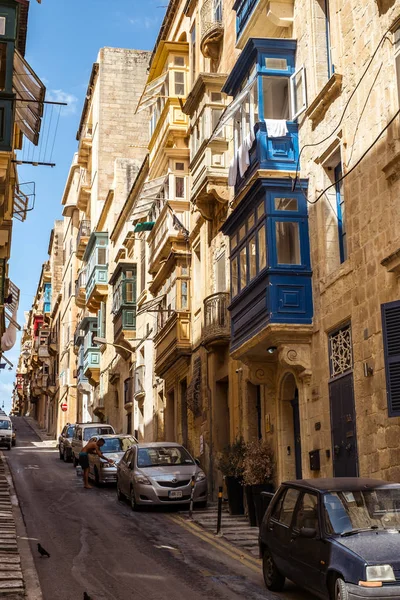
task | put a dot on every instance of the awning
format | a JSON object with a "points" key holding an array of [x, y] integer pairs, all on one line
{"points": [[230, 110], [148, 196], [146, 226], [151, 305], [27, 86], [151, 93]]}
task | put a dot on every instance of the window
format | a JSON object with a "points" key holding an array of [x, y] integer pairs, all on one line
{"points": [[391, 344], [217, 11], [307, 513], [179, 166], [397, 58], [340, 203], [179, 187], [286, 204], [288, 507], [252, 258], [128, 391], [184, 295], [275, 93], [179, 81], [179, 61], [3, 66], [287, 243], [298, 92], [220, 273], [142, 264], [330, 66], [193, 53], [235, 277], [340, 351], [2, 25], [216, 97], [243, 268], [262, 248]]}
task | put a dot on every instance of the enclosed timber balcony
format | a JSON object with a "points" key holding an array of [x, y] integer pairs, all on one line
{"points": [[172, 341], [83, 238], [166, 235], [262, 19], [216, 329], [80, 289], [96, 270]]}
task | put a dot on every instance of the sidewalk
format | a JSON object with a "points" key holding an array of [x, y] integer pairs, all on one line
{"points": [[42, 433], [234, 529], [11, 577]]}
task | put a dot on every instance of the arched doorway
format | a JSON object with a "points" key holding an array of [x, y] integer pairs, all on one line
{"points": [[290, 429]]}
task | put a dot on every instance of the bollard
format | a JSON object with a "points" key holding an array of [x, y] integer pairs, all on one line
{"points": [[192, 484], [219, 510]]}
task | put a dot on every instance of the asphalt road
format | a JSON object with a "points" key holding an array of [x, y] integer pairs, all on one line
{"points": [[100, 546]]}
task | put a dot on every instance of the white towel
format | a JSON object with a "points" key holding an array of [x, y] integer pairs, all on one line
{"points": [[276, 128], [243, 158], [233, 167], [250, 139]]}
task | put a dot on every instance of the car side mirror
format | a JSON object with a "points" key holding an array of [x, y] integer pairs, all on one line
{"points": [[308, 532], [196, 460]]}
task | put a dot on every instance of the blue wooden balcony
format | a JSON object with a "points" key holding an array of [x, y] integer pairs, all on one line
{"points": [[271, 153], [91, 364], [244, 9], [96, 259]]}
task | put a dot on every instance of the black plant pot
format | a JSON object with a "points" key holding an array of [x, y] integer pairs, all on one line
{"points": [[235, 495], [260, 502], [251, 511]]}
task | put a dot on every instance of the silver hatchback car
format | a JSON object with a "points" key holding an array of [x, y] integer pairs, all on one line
{"points": [[114, 448], [160, 473]]}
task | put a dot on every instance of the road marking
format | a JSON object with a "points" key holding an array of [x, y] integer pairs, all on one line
{"points": [[252, 563]]}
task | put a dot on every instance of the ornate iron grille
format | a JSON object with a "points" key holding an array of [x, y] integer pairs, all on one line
{"points": [[340, 351], [193, 392]]}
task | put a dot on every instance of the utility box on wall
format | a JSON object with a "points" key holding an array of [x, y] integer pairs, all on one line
{"points": [[315, 462]]}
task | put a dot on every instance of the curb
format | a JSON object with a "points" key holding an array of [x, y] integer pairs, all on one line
{"points": [[31, 579], [244, 557]]}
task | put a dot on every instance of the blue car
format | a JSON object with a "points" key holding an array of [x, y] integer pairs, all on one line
{"points": [[337, 538]]}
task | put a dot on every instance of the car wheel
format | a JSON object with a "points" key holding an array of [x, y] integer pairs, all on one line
{"points": [[65, 455], [134, 504], [274, 580], [341, 592], [13, 442], [61, 454], [120, 495]]}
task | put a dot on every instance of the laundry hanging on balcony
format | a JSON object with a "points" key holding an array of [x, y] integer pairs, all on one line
{"points": [[231, 109], [276, 128], [151, 92], [9, 337], [149, 195], [27, 86]]}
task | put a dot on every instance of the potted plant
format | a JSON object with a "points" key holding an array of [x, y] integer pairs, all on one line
{"points": [[231, 466], [258, 472]]}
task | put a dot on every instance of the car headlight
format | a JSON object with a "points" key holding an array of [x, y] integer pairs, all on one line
{"points": [[200, 476], [380, 573], [142, 479]]}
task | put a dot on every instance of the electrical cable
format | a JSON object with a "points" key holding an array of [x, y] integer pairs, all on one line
{"points": [[346, 105], [357, 162]]}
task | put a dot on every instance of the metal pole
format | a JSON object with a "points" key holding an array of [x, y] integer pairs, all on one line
{"points": [[192, 483], [219, 509]]}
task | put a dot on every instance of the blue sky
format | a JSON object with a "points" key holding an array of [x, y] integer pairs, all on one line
{"points": [[64, 37]]}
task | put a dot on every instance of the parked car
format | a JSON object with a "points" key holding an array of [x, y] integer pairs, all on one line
{"points": [[337, 538], [6, 430], [82, 434], [114, 448], [65, 442], [14, 437], [160, 473]]}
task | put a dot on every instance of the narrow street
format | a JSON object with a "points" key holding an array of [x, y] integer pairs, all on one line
{"points": [[100, 546]]}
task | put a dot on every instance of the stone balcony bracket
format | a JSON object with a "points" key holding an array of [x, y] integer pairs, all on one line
{"points": [[318, 108], [392, 262], [280, 13]]}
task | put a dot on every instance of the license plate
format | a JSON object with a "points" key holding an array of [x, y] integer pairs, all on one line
{"points": [[175, 494]]}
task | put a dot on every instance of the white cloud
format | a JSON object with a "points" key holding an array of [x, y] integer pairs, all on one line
{"points": [[61, 96], [144, 22]]}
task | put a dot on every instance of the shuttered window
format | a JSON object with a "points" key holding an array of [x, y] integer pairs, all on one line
{"points": [[391, 341]]}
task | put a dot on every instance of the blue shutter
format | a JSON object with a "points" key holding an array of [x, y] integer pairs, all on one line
{"points": [[391, 342]]}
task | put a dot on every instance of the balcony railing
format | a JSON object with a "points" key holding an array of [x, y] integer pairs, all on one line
{"points": [[216, 318], [212, 29]]}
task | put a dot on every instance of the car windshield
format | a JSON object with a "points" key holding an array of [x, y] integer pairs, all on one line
{"points": [[70, 432], [91, 431], [117, 444], [5, 425], [369, 509], [165, 456]]}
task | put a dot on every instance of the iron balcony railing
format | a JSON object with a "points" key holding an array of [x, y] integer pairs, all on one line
{"points": [[216, 317], [84, 231], [211, 17]]}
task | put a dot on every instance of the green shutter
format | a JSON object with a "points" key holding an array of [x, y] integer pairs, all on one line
{"points": [[129, 319], [391, 343]]}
